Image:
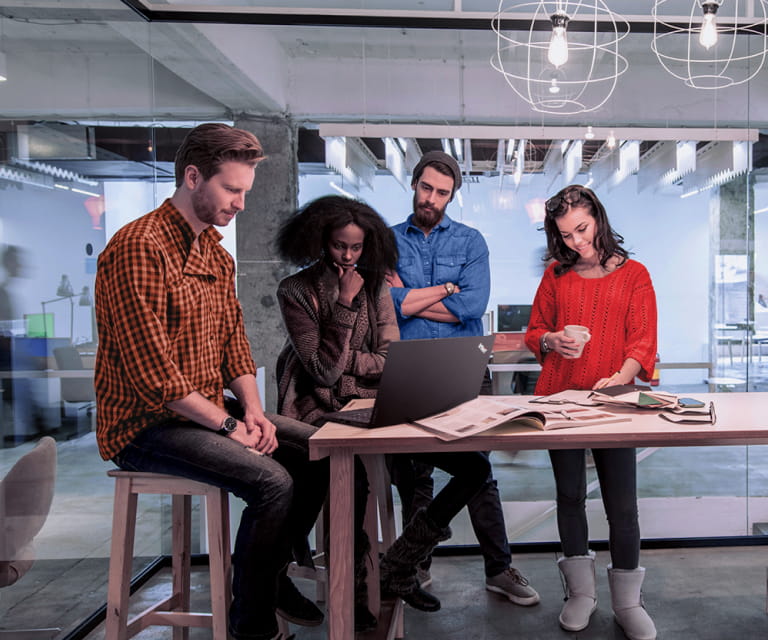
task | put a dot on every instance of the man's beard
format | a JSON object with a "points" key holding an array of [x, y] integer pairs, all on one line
{"points": [[426, 216], [202, 206]]}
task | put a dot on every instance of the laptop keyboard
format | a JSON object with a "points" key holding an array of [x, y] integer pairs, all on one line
{"points": [[354, 416]]}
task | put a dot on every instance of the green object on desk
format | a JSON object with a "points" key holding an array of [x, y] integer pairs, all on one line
{"points": [[644, 400]]}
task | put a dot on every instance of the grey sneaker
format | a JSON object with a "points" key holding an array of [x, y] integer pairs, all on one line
{"points": [[424, 577], [514, 585]]}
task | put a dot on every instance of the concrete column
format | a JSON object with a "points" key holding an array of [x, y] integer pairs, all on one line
{"points": [[732, 227], [273, 197]]}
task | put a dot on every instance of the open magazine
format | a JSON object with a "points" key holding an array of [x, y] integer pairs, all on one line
{"points": [[486, 412]]}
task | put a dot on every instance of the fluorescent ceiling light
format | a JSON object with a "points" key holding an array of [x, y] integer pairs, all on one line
{"points": [[343, 192]]}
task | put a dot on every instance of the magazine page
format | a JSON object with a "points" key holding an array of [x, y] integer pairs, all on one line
{"points": [[577, 416], [475, 416], [570, 396]]}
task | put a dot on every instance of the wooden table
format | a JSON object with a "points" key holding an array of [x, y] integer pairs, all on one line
{"points": [[741, 419]]}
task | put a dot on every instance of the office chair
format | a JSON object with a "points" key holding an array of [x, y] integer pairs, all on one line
{"points": [[75, 390], [26, 494]]}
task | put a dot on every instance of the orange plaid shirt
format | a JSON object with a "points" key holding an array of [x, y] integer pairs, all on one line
{"points": [[169, 324]]}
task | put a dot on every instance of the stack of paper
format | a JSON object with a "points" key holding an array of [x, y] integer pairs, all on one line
{"points": [[635, 396]]}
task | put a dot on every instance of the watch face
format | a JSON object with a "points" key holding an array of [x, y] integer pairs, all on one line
{"points": [[229, 425]]}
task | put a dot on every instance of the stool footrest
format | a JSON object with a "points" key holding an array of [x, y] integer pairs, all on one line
{"points": [[169, 619]]}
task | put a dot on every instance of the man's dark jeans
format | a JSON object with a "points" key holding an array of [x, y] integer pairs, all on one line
{"points": [[283, 495]]}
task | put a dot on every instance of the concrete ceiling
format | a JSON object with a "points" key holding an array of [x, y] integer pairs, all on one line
{"points": [[99, 59], [102, 61]]}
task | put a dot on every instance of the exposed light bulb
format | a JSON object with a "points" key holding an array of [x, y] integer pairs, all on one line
{"points": [[611, 141], [708, 33], [589, 134], [554, 87], [557, 54]]}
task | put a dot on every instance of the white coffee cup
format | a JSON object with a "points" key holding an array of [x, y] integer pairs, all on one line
{"points": [[578, 333]]}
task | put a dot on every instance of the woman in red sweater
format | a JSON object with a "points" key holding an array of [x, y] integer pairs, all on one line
{"points": [[591, 281]]}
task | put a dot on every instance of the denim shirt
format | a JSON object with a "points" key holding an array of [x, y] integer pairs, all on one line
{"points": [[452, 252]]}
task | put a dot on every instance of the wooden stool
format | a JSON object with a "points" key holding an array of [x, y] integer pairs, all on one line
{"points": [[173, 611]]}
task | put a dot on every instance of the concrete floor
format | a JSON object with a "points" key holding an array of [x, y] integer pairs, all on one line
{"points": [[692, 594], [706, 593]]}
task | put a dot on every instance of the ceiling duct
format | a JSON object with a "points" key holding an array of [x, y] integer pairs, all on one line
{"points": [[572, 162], [718, 163]]}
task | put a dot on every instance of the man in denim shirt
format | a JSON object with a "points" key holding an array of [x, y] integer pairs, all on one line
{"points": [[441, 290]]}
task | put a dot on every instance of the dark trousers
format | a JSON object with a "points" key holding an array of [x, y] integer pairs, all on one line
{"points": [[468, 471], [283, 495], [413, 479], [616, 471]]}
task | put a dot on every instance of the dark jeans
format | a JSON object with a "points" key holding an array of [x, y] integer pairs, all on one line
{"points": [[616, 471], [283, 495], [415, 486], [468, 471]]}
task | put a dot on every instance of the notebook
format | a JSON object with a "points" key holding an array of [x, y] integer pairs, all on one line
{"points": [[423, 377]]}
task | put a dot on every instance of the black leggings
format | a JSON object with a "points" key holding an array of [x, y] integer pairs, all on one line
{"points": [[616, 471]]}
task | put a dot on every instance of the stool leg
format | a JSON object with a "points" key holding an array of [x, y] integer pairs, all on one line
{"points": [[217, 502], [120, 557], [181, 549]]}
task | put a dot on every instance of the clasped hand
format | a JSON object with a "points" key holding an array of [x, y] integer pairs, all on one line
{"points": [[256, 432]]}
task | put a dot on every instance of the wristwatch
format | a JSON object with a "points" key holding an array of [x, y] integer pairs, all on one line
{"points": [[545, 348], [450, 288], [228, 426]]}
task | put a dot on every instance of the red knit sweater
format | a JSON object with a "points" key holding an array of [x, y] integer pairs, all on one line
{"points": [[620, 311]]}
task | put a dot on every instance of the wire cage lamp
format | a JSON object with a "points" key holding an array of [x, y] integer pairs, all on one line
{"points": [[711, 44], [567, 60]]}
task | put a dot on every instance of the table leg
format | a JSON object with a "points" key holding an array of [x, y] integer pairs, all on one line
{"points": [[341, 570]]}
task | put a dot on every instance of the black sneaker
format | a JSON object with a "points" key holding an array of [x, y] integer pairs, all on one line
{"points": [[294, 607], [240, 635], [365, 621]]}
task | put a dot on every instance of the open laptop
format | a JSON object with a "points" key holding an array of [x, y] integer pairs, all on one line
{"points": [[423, 377]]}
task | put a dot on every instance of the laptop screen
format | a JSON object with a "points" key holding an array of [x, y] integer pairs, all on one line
{"points": [[424, 377]]}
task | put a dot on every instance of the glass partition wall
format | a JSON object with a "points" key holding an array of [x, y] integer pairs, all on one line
{"points": [[96, 101]]}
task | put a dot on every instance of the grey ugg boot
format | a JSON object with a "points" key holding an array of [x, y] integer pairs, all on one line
{"points": [[628, 603], [398, 566], [580, 591]]}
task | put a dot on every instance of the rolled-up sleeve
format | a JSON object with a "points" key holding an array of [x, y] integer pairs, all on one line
{"points": [[474, 281], [398, 296]]}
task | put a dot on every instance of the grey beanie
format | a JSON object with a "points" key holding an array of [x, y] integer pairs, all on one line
{"points": [[444, 158]]}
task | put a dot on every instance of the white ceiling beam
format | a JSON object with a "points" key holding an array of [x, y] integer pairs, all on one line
{"points": [[482, 132], [243, 72], [169, 9]]}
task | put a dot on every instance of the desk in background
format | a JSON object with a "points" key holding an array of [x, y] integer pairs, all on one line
{"points": [[741, 420], [511, 356]]}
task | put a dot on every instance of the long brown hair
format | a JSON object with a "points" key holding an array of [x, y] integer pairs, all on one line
{"points": [[607, 242]]}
